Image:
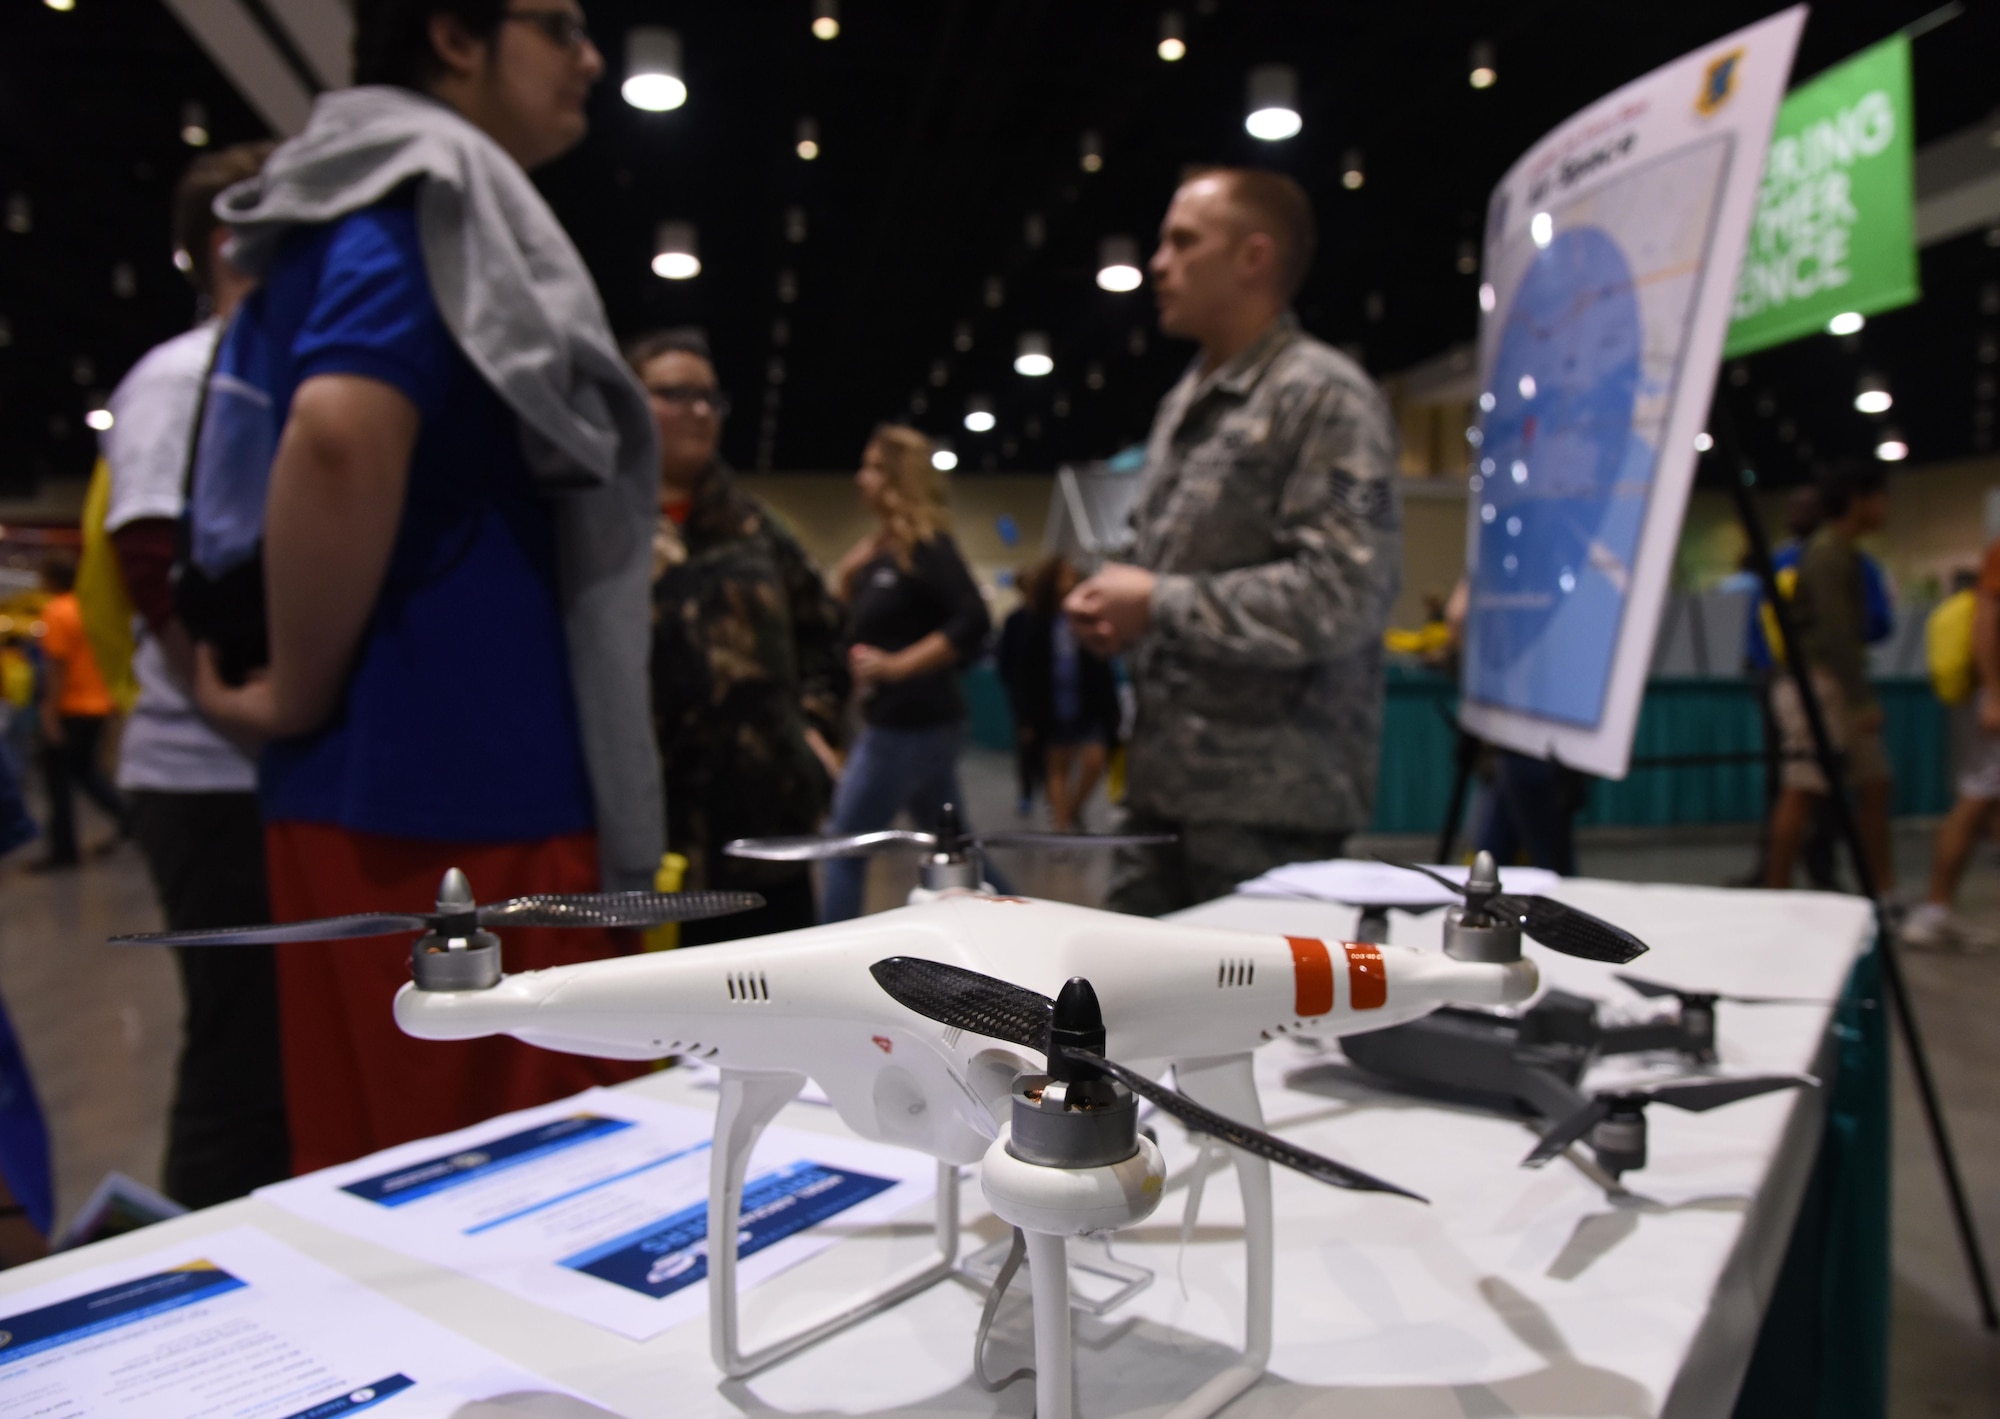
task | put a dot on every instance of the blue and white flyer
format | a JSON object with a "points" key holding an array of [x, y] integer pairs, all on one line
{"points": [[597, 1205], [1611, 256], [236, 1324]]}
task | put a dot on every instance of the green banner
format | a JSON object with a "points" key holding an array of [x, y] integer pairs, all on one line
{"points": [[1834, 227]]}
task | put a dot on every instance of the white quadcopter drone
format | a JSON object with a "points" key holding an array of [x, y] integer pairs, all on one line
{"points": [[930, 1027]]}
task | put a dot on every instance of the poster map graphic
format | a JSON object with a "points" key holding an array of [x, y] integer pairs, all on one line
{"points": [[1590, 351], [1611, 252]]}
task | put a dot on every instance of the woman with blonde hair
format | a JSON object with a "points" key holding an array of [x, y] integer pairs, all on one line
{"points": [[914, 620]]}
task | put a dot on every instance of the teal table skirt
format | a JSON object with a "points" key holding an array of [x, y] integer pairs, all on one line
{"points": [[1679, 717]]}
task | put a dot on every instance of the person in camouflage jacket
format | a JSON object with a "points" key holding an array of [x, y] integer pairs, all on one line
{"points": [[1266, 556], [749, 683]]}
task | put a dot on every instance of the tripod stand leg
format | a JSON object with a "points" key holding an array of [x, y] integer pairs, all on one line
{"points": [[1850, 831]]}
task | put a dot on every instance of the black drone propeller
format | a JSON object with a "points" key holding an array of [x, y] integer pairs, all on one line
{"points": [[1658, 990], [458, 915], [1694, 1095], [949, 838], [1069, 1032], [1556, 925]]}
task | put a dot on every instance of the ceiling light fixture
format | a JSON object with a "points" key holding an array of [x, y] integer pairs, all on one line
{"points": [[99, 416], [961, 336], [124, 281], [1032, 357], [1034, 231], [996, 292], [1118, 264], [1173, 37], [63, 5], [1483, 73], [194, 124], [1274, 103], [1848, 322], [1872, 395], [20, 214], [1542, 227], [1090, 150], [1891, 448], [674, 256], [1351, 175], [826, 19], [979, 414], [795, 224], [1468, 259], [1703, 442], [808, 148], [653, 69], [942, 458]]}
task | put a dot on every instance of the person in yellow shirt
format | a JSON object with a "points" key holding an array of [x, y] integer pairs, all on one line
{"points": [[75, 706]]}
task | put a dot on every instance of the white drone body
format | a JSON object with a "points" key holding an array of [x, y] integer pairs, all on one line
{"points": [[772, 1011]]}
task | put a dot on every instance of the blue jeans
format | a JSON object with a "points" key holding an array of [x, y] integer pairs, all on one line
{"points": [[890, 770]]}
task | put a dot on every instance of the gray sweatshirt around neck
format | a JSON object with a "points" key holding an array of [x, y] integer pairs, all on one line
{"points": [[516, 296]]}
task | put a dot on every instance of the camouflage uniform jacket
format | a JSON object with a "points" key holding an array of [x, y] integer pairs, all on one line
{"points": [[1270, 513], [746, 657]]}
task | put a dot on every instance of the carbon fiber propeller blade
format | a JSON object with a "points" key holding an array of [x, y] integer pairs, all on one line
{"points": [[1026, 839], [811, 848], [1701, 1095], [982, 1005], [1657, 990], [1694, 1095], [601, 909], [967, 1000], [1557, 925], [1242, 1135], [1568, 1131], [588, 909], [326, 928]]}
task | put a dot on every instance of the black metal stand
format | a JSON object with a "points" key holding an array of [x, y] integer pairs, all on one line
{"points": [[1741, 479]]}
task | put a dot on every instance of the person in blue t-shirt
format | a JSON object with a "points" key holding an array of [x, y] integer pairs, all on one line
{"points": [[456, 633]]}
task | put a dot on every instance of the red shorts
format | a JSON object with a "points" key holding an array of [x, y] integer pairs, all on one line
{"points": [[353, 1081]]}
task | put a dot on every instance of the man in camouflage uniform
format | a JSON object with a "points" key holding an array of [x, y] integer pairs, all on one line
{"points": [[749, 684], [1268, 538]]}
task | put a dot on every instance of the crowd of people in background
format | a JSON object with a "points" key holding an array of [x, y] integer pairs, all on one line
{"points": [[431, 571]]}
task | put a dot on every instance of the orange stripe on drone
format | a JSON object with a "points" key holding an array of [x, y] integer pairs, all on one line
{"points": [[1367, 981], [1312, 969]]}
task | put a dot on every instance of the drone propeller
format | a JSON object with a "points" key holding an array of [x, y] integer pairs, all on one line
{"points": [[949, 838], [458, 915], [1694, 1095], [1555, 924], [1070, 1031], [1657, 990]]}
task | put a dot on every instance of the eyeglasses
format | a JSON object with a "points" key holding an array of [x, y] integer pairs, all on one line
{"points": [[562, 27], [691, 395]]}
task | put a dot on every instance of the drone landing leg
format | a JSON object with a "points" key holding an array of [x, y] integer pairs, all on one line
{"points": [[1229, 1086], [749, 1102], [1055, 1372]]}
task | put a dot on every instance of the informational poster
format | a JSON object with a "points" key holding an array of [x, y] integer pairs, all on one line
{"points": [[1611, 254], [1835, 229], [598, 1205], [238, 1325]]}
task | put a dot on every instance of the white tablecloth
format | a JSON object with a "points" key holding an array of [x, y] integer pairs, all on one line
{"points": [[1516, 1292]]}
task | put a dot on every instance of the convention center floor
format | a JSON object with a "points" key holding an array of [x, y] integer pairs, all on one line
{"points": [[100, 1025]]}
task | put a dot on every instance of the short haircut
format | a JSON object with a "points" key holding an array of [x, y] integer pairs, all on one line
{"points": [[392, 38], [1276, 205], [59, 574], [1847, 480], [195, 222], [642, 350]]}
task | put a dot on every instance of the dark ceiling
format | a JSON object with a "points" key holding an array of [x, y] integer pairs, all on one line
{"points": [[944, 124]]}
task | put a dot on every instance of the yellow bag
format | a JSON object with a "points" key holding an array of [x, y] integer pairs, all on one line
{"points": [[17, 678], [102, 597], [1948, 647], [1788, 581]]}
